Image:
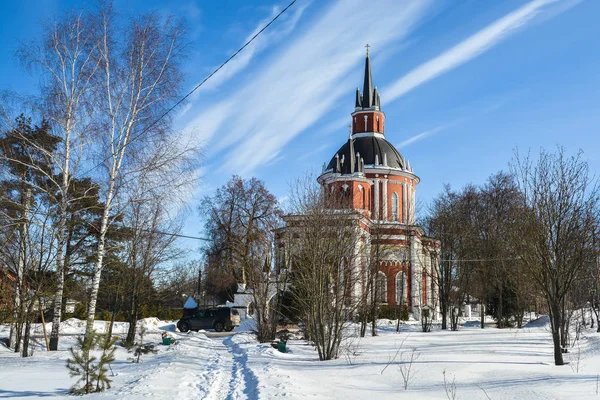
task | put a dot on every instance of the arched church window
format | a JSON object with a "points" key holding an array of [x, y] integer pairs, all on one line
{"points": [[400, 287], [345, 190], [394, 206], [381, 288]]}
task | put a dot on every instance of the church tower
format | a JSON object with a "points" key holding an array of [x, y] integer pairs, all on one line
{"points": [[374, 186], [367, 168]]}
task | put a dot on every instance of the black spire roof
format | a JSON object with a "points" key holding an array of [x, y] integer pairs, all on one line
{"points": [[367, 98]]}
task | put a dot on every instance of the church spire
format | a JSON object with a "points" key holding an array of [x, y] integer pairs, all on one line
{"points": [[367, 117], [367, 97]]}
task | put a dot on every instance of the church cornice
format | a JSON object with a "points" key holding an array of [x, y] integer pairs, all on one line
{"points": [[367, 111], [329, 176], [380, 169], [368, 134]]}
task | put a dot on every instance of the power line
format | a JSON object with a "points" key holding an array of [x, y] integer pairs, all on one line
{"points": [[181, 236], [46, 214], [188, 95], [485, 259], [200, 84]]}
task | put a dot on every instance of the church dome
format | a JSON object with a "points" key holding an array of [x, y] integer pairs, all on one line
{"points": [[373, 150]]}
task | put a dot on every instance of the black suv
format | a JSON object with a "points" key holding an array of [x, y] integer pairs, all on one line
{"points": [[219, 319]]}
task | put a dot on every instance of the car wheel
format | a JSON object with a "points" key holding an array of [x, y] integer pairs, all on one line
{"points": [[184, 327], [219, 326]]}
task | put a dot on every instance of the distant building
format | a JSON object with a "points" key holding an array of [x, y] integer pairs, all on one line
{"points": [[380, 185], [47, 304]]}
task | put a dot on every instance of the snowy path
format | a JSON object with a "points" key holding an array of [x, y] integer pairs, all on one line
{"points": [[196, 367], [232, 379]]}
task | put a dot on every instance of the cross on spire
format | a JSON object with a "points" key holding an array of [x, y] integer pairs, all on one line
{"points": [[367, 46]]}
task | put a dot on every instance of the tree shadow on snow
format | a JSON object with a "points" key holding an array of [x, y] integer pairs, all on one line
{"points": [[511, 383], [7, 394]]}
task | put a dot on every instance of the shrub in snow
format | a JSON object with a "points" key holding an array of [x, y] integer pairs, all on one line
{"points": [[407, 371], [92, 374], [394, 312], [450, 387], [575, 359], [351, 348], [141, 348], [426, 320]]}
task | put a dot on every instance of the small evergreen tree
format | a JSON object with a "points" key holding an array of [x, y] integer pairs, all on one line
{"points": [[107, 344], [83, 363]]}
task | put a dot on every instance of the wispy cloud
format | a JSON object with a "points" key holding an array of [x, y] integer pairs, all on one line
{"points": [[472, 113], [471, 47], [286, 25], [421, 135], [316, 150], [296, 86]]}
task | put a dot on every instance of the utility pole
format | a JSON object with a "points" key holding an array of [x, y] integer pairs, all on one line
{"points": [[199, 286]]}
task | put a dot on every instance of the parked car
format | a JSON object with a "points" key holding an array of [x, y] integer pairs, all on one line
{"points": [[219, 319]]}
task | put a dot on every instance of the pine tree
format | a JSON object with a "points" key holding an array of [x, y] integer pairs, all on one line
{"points": [[107, 344], [93, 375], [82, 364], [25, 153]]}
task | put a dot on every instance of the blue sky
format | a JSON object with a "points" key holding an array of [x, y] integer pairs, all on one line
{"points": [[462, 83]]}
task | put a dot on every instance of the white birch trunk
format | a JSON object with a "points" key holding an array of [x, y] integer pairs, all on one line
{"points": [[91, 311], [60, 265], [126, 95]]}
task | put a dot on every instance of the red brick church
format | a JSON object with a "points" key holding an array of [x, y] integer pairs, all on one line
{"points": [[381, 185]]}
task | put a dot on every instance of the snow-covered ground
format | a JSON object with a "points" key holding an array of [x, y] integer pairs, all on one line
{"points": [[489, 363]]}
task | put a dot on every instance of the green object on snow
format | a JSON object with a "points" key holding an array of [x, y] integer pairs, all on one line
{"points": [[167, 341], [281, 347]]}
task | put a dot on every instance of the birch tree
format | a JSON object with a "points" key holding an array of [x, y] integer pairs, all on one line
{"points": [[139, 77], [66, 57]]}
